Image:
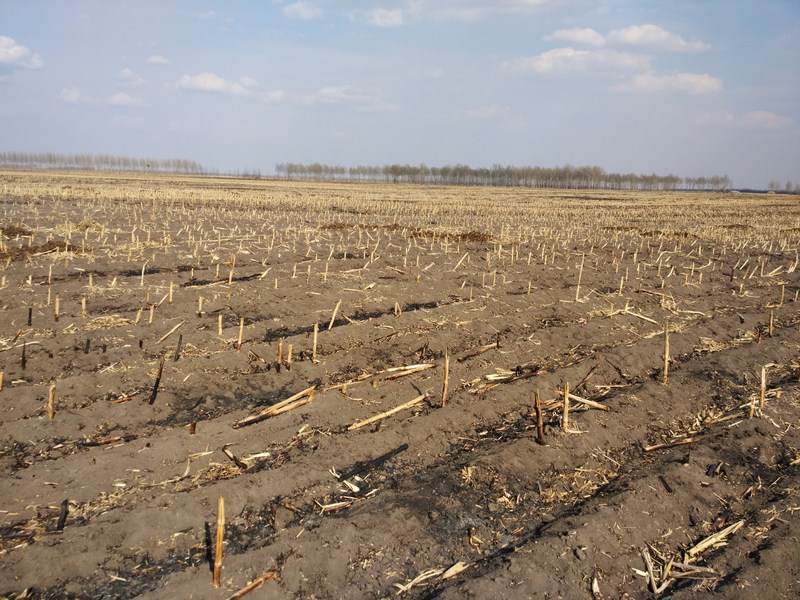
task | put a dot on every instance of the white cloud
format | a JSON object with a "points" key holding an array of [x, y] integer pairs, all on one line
{"points": [[655, 37], [123, 99], [157, 59], [647, 36], [211, 82], [757, 119], [209, 14], [130, 78], [305, 11], [570, 60], [577, 35], [72, 95], [17, 55], [379, 17], [644, 38], [692, 83]]}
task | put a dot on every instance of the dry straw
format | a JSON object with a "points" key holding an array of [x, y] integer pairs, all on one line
{"points": [[333, 316], [666, 352], [314, 347], [580, 276], [446, 382], [253, 585], [220, 540], [299, 399], [388, 413], [51, 403], [539, 418]]}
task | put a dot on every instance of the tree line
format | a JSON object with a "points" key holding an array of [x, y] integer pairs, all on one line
{"points": [[788, 188], [561, 177], [567, 176], [98, 162]]}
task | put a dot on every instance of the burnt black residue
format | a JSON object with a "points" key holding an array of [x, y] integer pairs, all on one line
{"points": [[205, 408], [22, 252], [155, 271]]}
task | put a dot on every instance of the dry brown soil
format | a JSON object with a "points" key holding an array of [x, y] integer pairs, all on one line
{"points": [[116, 495]]}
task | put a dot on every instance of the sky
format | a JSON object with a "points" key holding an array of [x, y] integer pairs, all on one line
{"points": [[690, 87]]}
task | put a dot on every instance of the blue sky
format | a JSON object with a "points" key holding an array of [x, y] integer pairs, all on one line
{"points": [[689, 87]]}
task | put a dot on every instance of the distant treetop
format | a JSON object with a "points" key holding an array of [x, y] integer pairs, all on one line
{"points": [[97, 162]]}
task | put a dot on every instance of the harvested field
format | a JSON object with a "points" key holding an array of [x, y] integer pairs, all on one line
{"points": [[354, 370]]}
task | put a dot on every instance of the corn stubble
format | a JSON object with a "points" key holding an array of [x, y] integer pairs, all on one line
{"points": [[453, 268]]}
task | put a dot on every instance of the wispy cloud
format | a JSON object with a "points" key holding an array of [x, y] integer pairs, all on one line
{"points": [[72, 95], [496, 115], [305, 11], [485, 113], [763, 119], [129, 78], [124, 100], [211, 82], [413, 11], [570, 60], [17, 55], [157, 59], [657, 38], [379, 17], [273, 96], [472, 10], [584, 36], [692, 83], [348, 95], [757, 119], [128, 122]]}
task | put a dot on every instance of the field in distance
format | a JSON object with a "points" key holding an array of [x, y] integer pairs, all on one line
{"points": [[355, 368]]}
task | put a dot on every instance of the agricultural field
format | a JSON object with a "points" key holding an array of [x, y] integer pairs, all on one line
{"points": [[395, 391]]}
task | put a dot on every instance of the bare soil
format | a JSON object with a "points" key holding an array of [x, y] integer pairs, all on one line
{"points": [[112, 491]]}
